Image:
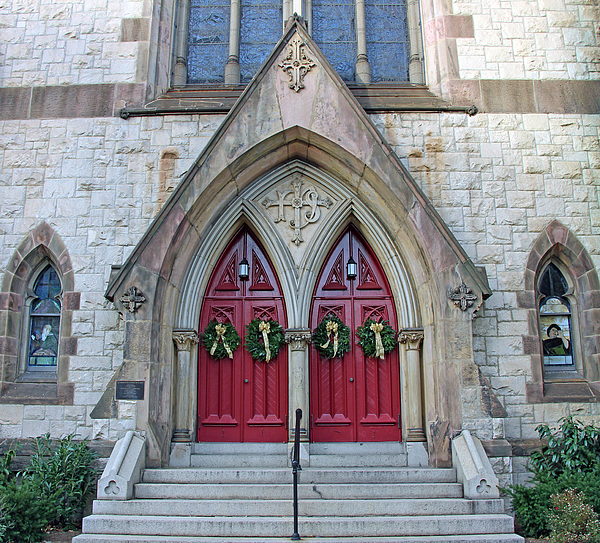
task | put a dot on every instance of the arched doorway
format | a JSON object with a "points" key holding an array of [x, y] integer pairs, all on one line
{"points": [[354, 398], [241, 399]]}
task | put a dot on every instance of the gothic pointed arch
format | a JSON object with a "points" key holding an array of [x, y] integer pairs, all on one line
{"points": [[37, 300], [562, 297]]}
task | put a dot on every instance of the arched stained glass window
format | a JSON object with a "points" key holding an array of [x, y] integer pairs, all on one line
{"points": [[555, 318], [44, 321]]}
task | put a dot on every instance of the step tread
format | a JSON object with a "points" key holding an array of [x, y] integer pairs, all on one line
{"points": [[475, 538]]}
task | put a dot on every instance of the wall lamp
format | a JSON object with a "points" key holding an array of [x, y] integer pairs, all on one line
{"points": [[351, 268], [244, 270]]}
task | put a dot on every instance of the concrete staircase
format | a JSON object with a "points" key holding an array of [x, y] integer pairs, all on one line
{"points": [[353, 493]]}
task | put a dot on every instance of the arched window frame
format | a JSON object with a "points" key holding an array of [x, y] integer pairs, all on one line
{"points": [[557, 244], [42, 247], [29, 302]]}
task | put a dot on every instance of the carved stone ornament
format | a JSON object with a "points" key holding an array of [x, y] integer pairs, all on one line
{"points": [[185, 339], [300, 198], [462, 296], [296, 64], [133, 299], [412, 338], [298, 338]]}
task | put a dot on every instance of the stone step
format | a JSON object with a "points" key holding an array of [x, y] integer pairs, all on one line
{"points": [[309, 508], [239, 460], [310, 526], [477, 538], [305, 491], [240, 448], [344, 449], [357, 460], [309, 474]]}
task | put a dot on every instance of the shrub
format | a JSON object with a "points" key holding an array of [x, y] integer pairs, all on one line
{"points": [[573, 520], [26, 515], [65, 477], [571, 459]]}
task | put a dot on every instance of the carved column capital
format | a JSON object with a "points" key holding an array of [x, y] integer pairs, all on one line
{"points": [[412, 338], [298, 338], [185, 339]]}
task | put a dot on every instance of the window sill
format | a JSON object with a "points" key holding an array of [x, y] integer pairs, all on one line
{"points": [[374, 98], [567, 386], [37, 393]]}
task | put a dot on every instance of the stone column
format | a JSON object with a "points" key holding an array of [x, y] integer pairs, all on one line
{"points": [[181, 38], [298, 341], [184, 340], [415, 43], [363, 69], [232, 68], [411, 339]]}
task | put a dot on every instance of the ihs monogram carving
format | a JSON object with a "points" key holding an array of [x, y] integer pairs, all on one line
{"points": [[296, 64], [133, 299], [301, 198]]}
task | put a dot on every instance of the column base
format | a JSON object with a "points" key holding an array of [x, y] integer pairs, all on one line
{"points": [[181, 436], [181, 455]]}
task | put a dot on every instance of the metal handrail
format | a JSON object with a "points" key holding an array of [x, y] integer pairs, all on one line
{"points": [[295, 468]]}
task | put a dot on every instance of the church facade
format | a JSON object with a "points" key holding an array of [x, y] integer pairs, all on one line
{"points": [[179, 175]]}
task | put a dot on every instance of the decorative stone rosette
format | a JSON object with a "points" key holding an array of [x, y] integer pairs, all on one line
{"points": [[220, 339], [377, 338], [331, 337], [264, 339]]}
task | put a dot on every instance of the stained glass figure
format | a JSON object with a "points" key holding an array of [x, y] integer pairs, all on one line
{"points": [[555, 318], [45, 321]]}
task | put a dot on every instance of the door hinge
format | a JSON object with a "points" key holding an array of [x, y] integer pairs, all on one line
{"points": [[286, 422], [398, 420], [311, 422]]}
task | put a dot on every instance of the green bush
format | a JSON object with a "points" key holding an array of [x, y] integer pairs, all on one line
{"points": [[573, 520], [65, 477], [51, 491], [570, 460]]}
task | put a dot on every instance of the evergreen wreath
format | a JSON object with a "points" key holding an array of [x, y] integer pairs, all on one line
{"points": [[324, 334], [220, 339], [367, 337], [255, 339]]}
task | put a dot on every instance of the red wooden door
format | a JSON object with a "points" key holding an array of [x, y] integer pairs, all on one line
{"points": [[354, 398], [242, 400]]}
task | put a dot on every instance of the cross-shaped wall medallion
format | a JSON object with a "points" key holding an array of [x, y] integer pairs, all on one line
{"points": [[133, 299], [296, 64], [301, 198], [462, 296]]}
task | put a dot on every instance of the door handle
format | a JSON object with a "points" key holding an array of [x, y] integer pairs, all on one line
{"points": [[245, 380], [352, 379]]}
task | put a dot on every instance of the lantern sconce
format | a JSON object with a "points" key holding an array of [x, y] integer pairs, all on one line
{"points": [[351, 269], [244, 270]]}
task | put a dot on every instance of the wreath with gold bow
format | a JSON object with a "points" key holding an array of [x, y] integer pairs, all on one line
{"points": [[331, 337], [220, 339], [376, 338], [264, 339]]}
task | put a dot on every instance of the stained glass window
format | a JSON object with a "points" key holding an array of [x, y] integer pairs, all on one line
{"points": [[208, 41], [261, 27], [555, 319], [387, 40], [44, 321], [334, 31]]}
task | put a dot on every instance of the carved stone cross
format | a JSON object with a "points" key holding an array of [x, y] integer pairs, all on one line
{"points": [[308, 197], [462, 296], [296, 64], [133, 299]]}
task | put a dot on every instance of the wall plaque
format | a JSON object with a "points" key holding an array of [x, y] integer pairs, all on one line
{"points": [[130, 390]]}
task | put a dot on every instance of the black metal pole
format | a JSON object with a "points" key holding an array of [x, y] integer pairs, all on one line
{"points": [[295, 467]]}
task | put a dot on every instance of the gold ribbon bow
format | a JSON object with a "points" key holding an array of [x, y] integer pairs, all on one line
{"points": [[332, 328], [220, 329], [377, 327], [265, 328]]}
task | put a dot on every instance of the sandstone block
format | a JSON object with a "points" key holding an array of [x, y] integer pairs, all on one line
{"points": [[535, 164]]}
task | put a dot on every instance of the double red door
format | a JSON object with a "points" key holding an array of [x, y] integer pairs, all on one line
{"points": [[354, 398], [241, 399]]}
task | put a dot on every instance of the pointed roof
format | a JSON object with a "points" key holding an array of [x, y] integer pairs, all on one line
{"points": [[295, 96]]}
